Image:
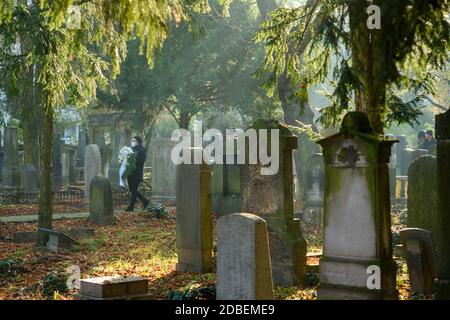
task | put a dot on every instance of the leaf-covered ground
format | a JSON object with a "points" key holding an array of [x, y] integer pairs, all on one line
{"points": [[28, 209], [137, 245]]}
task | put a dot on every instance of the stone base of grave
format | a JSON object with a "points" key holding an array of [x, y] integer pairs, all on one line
{"points": [[103, 220], [335, 272], [147, 296], [442, 289], [114, 287], [193, 261]]}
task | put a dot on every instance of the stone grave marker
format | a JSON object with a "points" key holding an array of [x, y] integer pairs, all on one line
{"points": [[243, 259], [100, 203], [442, 290], [419, 251], [422, 194], [58, 240], [313, 207], [194, 216], [92, 167], [357, 221], [272, 198], [29, 179]]}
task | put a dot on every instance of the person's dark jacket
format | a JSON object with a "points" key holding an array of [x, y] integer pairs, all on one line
{"points": [[138, 173]]}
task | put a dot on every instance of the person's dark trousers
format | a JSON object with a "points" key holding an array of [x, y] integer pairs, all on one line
{"points": [[133, 184]]}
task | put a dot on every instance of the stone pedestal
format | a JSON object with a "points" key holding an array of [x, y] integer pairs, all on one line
{"points": [[243, 259], [442, 289], [194, 217], [357, 225], [272, 198]]}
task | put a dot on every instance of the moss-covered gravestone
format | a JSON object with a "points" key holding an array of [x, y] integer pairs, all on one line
{"points": [[422, 194], [100, 202], [194, 217], [272, 198], [357, 225], [442, 290]]}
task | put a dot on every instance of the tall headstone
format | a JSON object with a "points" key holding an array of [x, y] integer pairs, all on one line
{"points": [[100, 202], [82, 139], [163, 169], [243, 259], [92, 167], [357, 221], [57, 166], [29, 179], [272, 198], [194, 217], [422, 194], [401, 157], [442, 290], [11, 175], [392, 166], [313, 208]]}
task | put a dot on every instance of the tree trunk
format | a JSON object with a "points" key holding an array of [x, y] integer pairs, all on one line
{"points": [[367, 64], [185, 118], [45, 191]]}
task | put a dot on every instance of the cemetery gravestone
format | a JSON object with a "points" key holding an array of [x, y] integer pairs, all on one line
{"points": [[272, 198], [163, 169], [422, 194], [29, 179], [442, 290], [58, 240], [10, 171], [313, 208], [421, 259], [57, 165], [243, 259], [194, 217], [92, 167], [357, 222], [100, 204], [81, 147]]}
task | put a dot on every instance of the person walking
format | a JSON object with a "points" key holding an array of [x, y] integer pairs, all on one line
{"points": [[137, 176]]}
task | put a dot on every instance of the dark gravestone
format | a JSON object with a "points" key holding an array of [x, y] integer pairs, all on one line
{"points": [[422, 194], [100, 202], [272, 198], [58, 240], [29, 179], [442, 290], [419, 251]]}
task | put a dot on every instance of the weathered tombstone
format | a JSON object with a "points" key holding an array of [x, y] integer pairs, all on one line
{"points": [[226, 189], [163, 169], [401, 163], [81, 147], [194, 217], [442, 290], [113, 287], [243, 259], [313, 208], [92, 167], [100, 202], [420, 255], [272, 198], [29, 179], [392, 166], [422, 194], [357, 225], [11, 175], [58, 240], [57, 165]]}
